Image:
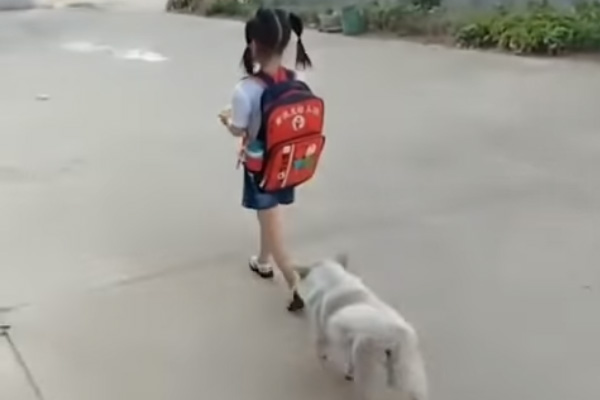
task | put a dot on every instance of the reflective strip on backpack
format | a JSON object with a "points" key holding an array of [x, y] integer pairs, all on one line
{"points": [[289, 166]]}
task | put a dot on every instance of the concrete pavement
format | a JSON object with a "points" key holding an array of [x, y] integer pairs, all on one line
{"points": [[14, 384], [137, 5], [464, 184]]}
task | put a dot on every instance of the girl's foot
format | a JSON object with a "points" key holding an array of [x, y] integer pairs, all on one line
{"points": [[296, 304], [264, 270]]}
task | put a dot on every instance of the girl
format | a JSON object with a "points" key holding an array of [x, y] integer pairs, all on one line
{"points": [[268, 34]]}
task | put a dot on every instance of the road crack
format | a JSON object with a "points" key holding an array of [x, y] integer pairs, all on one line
{"points": [[31, 381]]}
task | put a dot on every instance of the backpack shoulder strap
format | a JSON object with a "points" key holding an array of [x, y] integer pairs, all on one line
{"points": [[290, 75]]}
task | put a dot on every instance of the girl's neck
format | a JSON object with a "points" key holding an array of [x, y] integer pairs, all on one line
{"points": [[272, 66]]}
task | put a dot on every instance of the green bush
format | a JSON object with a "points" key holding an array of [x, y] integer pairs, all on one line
{"points": [[402, 17], [192, 6], [540, 29], [426, 4], [407, 19], [231, 8], [245, 8]]}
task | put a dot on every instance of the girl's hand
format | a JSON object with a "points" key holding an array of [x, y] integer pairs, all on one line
{"points": [[225, 116], [225, 120]]}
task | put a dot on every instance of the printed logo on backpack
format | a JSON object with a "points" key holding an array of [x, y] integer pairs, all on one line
{"points": [[291, 132]]}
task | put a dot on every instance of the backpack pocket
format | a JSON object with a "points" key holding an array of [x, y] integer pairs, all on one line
{"points": [[292, 162], [254, 156]]}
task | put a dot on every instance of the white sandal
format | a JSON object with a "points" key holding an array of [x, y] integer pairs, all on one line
{"points": [[264, 270]]}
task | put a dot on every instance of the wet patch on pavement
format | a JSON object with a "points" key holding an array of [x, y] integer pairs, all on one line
{"points": [[135, 54]]}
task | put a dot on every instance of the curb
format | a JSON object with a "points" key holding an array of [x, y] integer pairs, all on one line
{"points": [[13, 5]]}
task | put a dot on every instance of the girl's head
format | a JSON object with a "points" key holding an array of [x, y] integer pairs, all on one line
{"points": [[267, 35]]}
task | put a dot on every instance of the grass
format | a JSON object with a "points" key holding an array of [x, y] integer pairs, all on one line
{"points": [[538, 29]]}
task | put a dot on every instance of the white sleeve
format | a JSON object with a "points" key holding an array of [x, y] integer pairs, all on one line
{"points": [[240, 108], [301, 76]]}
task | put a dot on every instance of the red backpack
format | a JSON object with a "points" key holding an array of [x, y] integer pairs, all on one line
{"points": [[291, 132]]}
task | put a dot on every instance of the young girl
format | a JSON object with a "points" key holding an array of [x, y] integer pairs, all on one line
{"points": [[268, 34]]}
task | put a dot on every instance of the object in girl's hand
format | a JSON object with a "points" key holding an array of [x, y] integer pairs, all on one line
{"points": [[225, 115]]}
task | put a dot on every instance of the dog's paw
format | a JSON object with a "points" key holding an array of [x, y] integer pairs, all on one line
{"points": [[349, 373], [392, 382], [321, 352]]}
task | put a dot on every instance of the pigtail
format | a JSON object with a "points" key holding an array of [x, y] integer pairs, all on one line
{"points": [[247, 57], [302, 58], [248, 60]]}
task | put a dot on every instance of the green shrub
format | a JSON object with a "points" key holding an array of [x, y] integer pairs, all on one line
{"points": [[191, 6], [230, 8], [407, 19], [426, 4], [476, 34], [245, 8], [540, 29]]}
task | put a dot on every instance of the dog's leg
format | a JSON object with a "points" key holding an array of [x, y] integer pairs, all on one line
{"points": [[349, 359], [411, 367], [319, 335], [391, 359], [320, 342], [362, 367]]}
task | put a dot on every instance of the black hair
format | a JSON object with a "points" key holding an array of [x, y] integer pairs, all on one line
{"points": [[271, 30]]}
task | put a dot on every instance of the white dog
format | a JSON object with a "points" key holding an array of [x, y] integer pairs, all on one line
{"points": [[344, 313]]}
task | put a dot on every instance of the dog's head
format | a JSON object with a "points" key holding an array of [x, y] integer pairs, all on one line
{"points": [[304, 270]]}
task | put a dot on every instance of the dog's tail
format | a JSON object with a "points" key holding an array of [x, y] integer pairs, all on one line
{"points": [[409, 361]]}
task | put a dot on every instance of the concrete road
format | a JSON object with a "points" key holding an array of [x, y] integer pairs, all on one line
{"points": [[465, 186], [120, 5]]}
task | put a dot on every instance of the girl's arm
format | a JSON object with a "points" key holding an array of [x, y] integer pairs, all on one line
{"points": [[239, 117], [235, 131]]}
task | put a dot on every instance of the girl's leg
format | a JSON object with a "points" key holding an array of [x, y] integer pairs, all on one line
{"points": [[271, 227], [271, 235], [264, 255], [261, 264]]}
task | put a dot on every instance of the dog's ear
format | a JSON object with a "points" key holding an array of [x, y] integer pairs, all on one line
{"points": [[302, 270], [342, 259]]}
